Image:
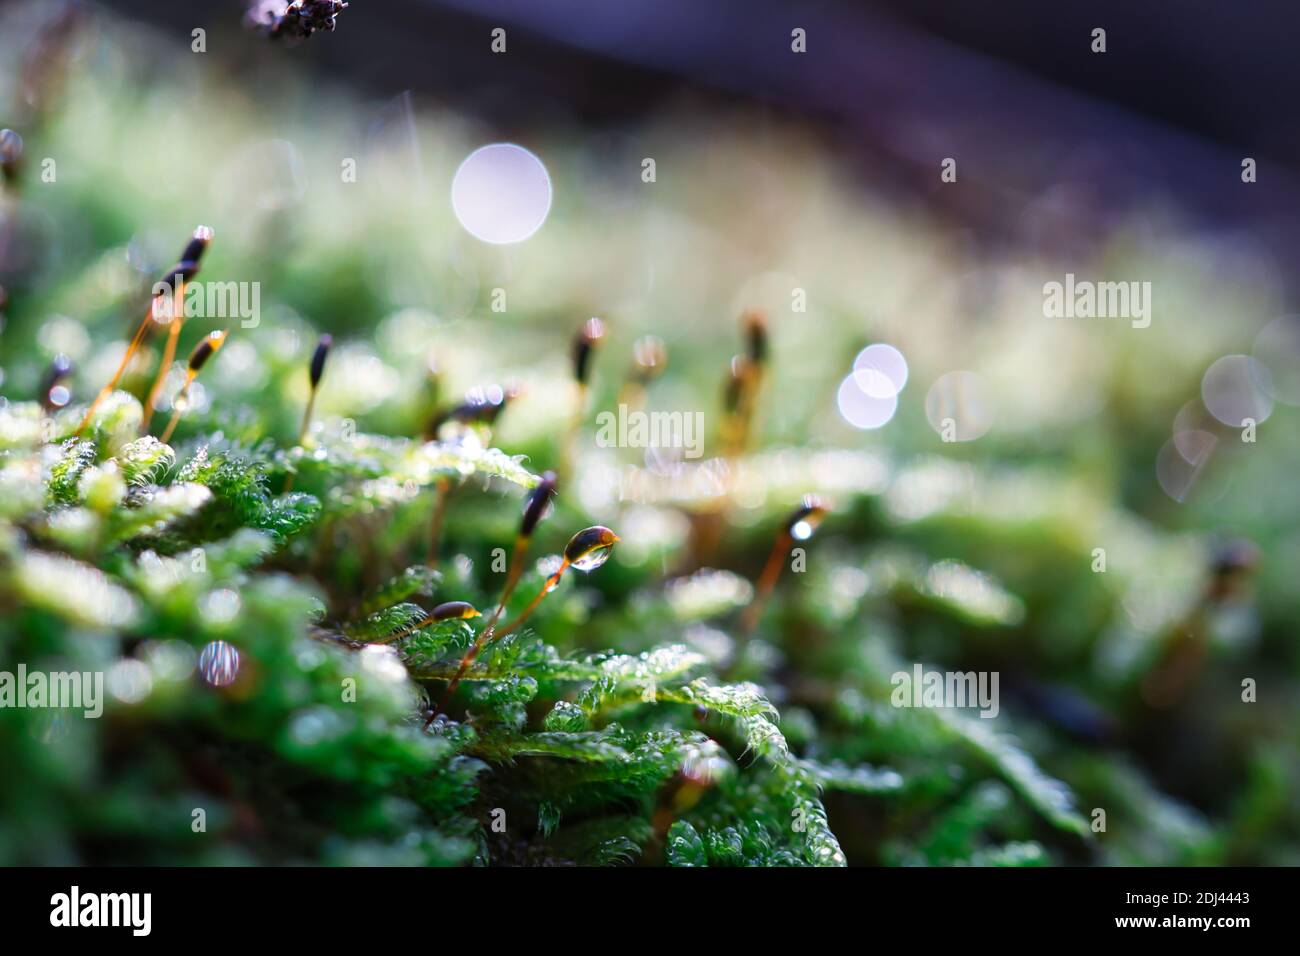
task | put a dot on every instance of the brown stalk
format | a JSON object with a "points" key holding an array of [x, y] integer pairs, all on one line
{"points": [[534, 512], [169, 355]]}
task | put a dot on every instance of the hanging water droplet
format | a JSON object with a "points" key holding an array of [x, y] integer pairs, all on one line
{"points": [[590, 548], [594, 558]]}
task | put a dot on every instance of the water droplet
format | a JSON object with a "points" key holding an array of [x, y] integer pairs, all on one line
{"points": [[594, 558], [219, 664], [590, 547]]}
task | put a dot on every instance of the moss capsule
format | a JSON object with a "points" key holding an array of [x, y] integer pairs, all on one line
{"points": [[539, 503], [208, 346], [756, 337], [454, 611], [588, 337], [649, 357], [318, 358], [11, 152], [806, 518]]}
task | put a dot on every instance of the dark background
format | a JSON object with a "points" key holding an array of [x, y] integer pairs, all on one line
{"points": [[1012, 89]]}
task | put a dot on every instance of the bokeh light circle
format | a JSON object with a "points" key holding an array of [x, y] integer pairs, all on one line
{"points": [[860, 409], [962, 400], [1277, 349], [1196, 433], [1176, 475], [501, 193], [880, 370], [1235, 388]]}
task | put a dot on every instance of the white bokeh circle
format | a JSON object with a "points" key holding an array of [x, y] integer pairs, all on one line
{"points": [[501, 193], [962, 399], [881, 370], [860, 409], [1236, 388]]}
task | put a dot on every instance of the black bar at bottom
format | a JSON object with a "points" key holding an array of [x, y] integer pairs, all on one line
{"points": [[307, 906]]}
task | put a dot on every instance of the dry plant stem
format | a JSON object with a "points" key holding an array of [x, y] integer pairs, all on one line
{"points": [[1182, 653], [169, 355], [766, 582], [315, 370], [412, 628], [171, 425], [747, 406], [306, 418], [207, 347], [169, 352], [107, 390], [404, 631], [706, 533], [443, 491], [180, 405], [302, 437], [512, 578], [465, 661], [551, 583], [633, 395], [743, 426], [486, 635]]}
